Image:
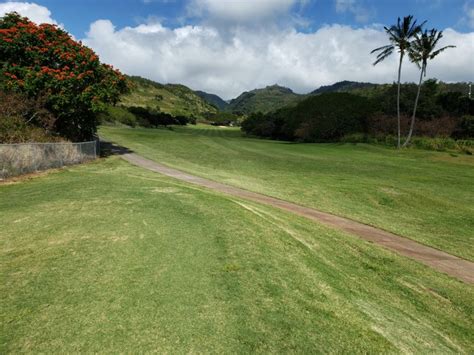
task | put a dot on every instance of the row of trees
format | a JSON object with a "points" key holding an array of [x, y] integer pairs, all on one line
{"points": [[334, 116], [320, 118], [142, 116], [45, 65], [420, 46], [153, 118]]}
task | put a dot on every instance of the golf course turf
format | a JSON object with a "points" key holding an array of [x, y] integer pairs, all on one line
{"points": [[108, 257], [422, 195]]}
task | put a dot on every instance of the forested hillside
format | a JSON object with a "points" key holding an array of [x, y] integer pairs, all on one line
{"points": [[263, 100]]}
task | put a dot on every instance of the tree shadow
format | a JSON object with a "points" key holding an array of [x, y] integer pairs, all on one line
{"points": [[108, 149]]}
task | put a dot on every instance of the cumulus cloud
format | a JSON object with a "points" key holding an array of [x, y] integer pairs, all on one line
{"points": [[202, 58], [361, 14], [238, 11], [242, 58], [34, 12]]}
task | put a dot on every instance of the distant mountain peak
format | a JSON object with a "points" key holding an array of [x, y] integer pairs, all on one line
{"points": [[342, 86], [212, 99], [269, 98]]}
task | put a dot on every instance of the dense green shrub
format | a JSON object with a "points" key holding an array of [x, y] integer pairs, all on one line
{"points": [[455, 103], [223, 119], [428, 143], [325, 117], [433, 102], [149, 117], [443, 144], [328, 117], [465, 127]]}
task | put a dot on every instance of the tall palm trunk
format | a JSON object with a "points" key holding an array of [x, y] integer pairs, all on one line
{"points": [[412, 124], [398, 98]]}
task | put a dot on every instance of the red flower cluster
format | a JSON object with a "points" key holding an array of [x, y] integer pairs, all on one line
{"points": [[45, 60], [10, 75]]}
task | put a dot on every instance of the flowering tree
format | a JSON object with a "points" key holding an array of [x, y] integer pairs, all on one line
{"points": [[44, 61]]}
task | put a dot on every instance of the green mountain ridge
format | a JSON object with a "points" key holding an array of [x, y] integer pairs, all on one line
{"points": [[263, 100], [213, 99], [343, 86], [175, 99]]}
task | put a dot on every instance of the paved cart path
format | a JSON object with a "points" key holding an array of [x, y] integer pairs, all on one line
{"points": [[437, 259]]}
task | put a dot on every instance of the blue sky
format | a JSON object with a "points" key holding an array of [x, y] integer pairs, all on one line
{"points": [[230, 46], [77, 15]]}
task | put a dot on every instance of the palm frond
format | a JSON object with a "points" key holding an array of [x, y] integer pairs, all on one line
{"points": [[423, 46], [381, 48], [384, 54], [400, 36], [435, 53]]}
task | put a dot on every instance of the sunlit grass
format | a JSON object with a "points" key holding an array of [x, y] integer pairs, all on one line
{"points": [[107, 257], [426, 196]]}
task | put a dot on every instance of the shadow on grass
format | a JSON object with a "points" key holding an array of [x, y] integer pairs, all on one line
{"points": [[109, 148]]}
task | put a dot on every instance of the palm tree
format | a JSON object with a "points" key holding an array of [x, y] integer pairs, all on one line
{"points": [[421, 50], [400, 36]]}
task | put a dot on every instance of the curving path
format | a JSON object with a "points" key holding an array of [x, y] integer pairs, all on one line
{"points": [[437, 259]]}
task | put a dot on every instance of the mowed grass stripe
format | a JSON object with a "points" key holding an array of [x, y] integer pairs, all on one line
{"points": [[107, 257], [422, 195]]}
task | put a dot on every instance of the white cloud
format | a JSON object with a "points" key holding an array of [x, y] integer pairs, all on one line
{"points": [[245, 57], [240, 11], [202, 58], [361, 14], [34, 12]]}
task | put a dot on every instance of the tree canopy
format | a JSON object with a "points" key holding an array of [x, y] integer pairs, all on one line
{"points": [[45, 61]]}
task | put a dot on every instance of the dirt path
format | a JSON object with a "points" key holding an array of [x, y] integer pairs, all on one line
{"points": [[438, 260]]}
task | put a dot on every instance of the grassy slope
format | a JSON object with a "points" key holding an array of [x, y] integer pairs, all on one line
{"points": [[426, 196], [109, 257], [172, 99]]}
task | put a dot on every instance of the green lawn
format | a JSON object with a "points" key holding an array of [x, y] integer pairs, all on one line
{"points": [[107, 257], [423, 195]]}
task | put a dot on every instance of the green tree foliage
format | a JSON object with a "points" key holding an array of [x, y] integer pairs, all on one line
{"points": [[223, 119], [465, 127], [44, 61], [455, 103], [329, 117], [435, 101], [325, 117], [148, 117]]}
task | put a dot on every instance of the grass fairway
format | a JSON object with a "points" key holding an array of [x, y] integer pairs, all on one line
{"points": [[426, 196], [107, 257]]}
